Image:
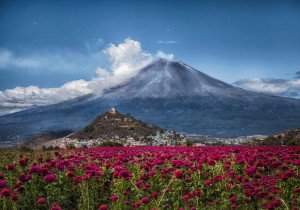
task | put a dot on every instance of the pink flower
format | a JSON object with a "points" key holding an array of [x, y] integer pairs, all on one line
{"points": [[186, 197], [154, 195], [103, 207], [14, 197], [297, 190], [229, 185], [178, 174], [124, 174], [137, 204], [251, 171], [50, 178], [233, 199], [70, 168], [23, 162], [5, 193], [41, 201], [11, 166], [114, 197], [55, 206], [2, 184], [207, 182], [145, 200], [24, 177]]}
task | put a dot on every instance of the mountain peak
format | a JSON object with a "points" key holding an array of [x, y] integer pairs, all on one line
{"points": [[165, 79]]}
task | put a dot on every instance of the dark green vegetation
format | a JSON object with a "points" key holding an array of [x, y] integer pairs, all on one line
{"points": [[110, 144], [288, 138]]}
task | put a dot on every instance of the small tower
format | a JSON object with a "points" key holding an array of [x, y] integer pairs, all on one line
{"points": [[113, 111]]}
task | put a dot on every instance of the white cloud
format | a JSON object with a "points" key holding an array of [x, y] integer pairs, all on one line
{"points": [[35, 96], [62, 60], [289, 88], [161, 54], [8, 60], [167, 42], [126, 59]]}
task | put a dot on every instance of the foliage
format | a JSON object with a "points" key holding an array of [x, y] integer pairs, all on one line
{"points": [[189, 143], [110, 144], [70, 146]]}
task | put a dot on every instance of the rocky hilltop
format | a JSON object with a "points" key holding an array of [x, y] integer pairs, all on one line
{"points": [[113, 126]]}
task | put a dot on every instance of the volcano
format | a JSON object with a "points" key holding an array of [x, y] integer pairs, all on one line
{"points": [[166, 79], [169, 94]]}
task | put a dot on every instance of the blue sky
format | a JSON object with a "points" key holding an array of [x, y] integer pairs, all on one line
{"points": [[48, 43]]}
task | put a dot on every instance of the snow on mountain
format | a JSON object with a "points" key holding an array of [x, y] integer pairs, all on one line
{"points": [[166, 79]]}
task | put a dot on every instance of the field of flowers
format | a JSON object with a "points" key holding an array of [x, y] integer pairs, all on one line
{"points": [[151, 178]]}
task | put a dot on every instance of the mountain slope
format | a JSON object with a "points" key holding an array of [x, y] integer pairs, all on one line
{"points": [[171, 95], [46, 136], [166, 79]]}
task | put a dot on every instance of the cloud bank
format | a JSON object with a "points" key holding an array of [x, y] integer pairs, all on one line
{"points": [[125, 58], [64, 60], [280, 87]]}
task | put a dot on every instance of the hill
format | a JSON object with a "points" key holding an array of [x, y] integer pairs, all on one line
{"points": [[113, 127], [46, 136], [112, 124], [288, 138]]}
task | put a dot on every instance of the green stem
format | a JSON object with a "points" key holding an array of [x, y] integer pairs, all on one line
{"points": [[165, 190]]}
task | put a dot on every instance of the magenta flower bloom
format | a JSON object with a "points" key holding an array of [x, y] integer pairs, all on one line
{"points": [[23, 162], [145, 200], [207, 182], [5, 193], [137, 204], [3, 184], [124, 174], [24, 177], [233, 199], [14, 197], [55, 206], [114, 197], [41, 201], [178, 174], [11, 166], [103, 207], [50, 178], [186, 197]]}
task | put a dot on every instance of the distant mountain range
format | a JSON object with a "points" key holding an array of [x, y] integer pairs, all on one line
{"points": [[171, 95]]}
